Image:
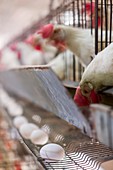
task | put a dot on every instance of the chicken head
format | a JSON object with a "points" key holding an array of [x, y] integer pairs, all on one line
{"points": [[97, 76]]}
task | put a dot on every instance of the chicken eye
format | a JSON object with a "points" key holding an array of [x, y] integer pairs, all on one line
{"points": [[86, 92], [55, 32]]}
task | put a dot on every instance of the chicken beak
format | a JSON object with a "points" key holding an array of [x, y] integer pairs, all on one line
{"points": [[85, 98], [46, 31], [80, 99]]}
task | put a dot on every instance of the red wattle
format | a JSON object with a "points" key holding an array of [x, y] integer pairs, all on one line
{"points": [[61, 45], [30, 40], [81, 100], [38, 47]]}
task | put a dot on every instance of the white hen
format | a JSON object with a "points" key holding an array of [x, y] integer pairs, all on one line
{"points": [[99, 72], [62, 63], [30, 56], [77, 40], [50, 52], [9, 58]]}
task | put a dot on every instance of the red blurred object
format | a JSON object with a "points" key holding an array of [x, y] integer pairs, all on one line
{"points": [[46, 31], [30, 40], [38, 47], [13, 47], [90, 8], [17, 165], [8, 144], [81, 100]]}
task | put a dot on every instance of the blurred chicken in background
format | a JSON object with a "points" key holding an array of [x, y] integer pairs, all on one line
{"points": [[62, 64], [54, 56], [40, 44], [8, 59], [104, 14], [28, 55], [89, 10]]}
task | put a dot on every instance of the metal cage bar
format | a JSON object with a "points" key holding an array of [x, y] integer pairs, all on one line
{"points": [[80, 13], [71, 14], [103, 32]]}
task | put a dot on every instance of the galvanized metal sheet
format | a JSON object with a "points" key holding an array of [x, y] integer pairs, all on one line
{"points": [[41, 86]]}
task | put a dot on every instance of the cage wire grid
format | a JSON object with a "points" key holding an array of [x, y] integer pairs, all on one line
{"points": [[96, 16], [83, 154], [103, 35], [71, 15], [99, 22]]}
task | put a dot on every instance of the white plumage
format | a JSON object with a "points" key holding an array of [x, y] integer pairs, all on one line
{"points": [[99, 72], [49, 50], [77, 40], [29, 56], [9, 58], [61, 64]]}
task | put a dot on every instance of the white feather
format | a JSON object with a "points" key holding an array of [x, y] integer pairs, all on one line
{"points": [[30, 56], [100, 71], [9, 58]]}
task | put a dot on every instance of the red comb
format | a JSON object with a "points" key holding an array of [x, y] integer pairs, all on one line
{"points": [[46, 30], [38, 47], [81, 100], [89, 7]]}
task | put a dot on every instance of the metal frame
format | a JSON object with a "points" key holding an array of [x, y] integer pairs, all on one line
{"points": [[70, 13]]}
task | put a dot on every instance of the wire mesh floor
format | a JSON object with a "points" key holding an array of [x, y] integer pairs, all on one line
{"points": [[82, 152]]}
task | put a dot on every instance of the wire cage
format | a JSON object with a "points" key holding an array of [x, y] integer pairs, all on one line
{"points": [[72, 13], [103, 24], [76, 13], [95, 15]]}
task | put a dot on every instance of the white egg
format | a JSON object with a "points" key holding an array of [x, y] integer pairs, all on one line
{"points": [[39, 137], [14, 109], [19, 120], [52, 152], [19, 110], [26, 130]]}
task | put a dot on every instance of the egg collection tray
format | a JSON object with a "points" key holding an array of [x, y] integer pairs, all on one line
{"points": [[82, 152], [47, 103], [13, 155]]}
